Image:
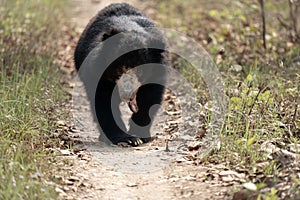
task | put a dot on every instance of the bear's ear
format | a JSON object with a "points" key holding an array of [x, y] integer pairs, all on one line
{"points": [[112, 32]]}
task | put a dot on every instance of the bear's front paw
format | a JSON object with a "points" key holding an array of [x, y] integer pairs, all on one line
{"points": [[132, 141]]}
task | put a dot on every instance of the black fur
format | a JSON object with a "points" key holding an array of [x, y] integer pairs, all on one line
{"points": [[136, 29]]}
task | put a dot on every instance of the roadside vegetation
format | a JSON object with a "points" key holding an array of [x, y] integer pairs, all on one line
{"points": [[30, 97], [261, 133]]}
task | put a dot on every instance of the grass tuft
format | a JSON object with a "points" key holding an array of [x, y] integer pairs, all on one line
{"points": [[30, 96]]}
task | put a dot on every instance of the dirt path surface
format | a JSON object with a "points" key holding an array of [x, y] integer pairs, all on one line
{"points": [[152, 171]]}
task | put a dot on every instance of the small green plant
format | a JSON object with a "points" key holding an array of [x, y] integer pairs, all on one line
{"points": [[271, 195]]}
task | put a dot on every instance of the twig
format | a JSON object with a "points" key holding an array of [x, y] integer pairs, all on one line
{"points": [[262, 6], [295, 112], [293, 17], [282, 22], [167, 145], [256, 97]]}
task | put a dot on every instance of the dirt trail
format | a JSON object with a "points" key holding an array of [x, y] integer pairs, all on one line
{"points": [[101, 171]]}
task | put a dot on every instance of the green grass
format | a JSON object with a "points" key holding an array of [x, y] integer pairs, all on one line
{"points": [[263, 95], [30, 96]]}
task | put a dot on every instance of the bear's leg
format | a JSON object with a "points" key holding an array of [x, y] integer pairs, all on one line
{"points": [[140, 123], [106, 106]]}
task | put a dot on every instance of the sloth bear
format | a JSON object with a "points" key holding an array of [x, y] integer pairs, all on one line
{"points": [[139, 89]]}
